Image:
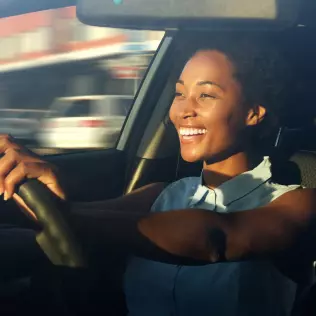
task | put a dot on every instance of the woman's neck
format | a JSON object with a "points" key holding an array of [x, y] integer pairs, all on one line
{"points": [[219, 172]]}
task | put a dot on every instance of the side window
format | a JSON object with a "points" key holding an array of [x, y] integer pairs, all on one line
{"points": [[57, 71], [122, 107], [78, 109]]}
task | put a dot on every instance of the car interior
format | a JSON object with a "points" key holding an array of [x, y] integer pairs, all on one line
{"points": [[148, 150]]}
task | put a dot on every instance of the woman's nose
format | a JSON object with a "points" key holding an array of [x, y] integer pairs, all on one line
{"points": [[188, 109]]}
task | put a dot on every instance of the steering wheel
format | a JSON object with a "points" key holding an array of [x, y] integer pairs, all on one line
{"points": [[56, 237]]}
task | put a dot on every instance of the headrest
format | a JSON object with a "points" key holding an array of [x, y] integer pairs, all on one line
{"points": [[291, 140]]}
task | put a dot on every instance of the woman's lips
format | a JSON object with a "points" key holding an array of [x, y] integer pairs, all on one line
{"points": [[191, 134], [189, 131]]}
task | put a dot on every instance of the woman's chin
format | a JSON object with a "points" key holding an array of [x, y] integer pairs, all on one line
{"points": [[190, 157]]}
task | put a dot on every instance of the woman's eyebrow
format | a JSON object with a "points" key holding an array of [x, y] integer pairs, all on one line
{"points": [[202, 83]]}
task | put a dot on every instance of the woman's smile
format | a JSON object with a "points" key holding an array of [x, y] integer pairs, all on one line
{"points": [[191, 134]]}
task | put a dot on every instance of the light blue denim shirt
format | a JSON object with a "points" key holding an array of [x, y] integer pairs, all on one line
{"points": [[254, 288]]}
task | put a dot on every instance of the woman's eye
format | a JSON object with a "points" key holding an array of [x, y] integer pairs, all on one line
{"points": [[178, 94], [207, 96]]}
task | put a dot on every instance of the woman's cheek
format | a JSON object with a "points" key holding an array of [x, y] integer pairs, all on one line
{"points": [[215, 113]]}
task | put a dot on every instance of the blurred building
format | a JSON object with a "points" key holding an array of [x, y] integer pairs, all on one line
{"points": [[50, 54]]}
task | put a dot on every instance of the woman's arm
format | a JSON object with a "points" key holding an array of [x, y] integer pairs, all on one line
{"points": [[139, 200], [285, 225], [195, 236]]}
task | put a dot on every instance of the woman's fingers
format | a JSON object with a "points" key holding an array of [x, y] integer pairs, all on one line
{"points": [[15, 177], [49, 178], [31, 170], [18, 164], [7, 163], [7, 142], [24, 207]]}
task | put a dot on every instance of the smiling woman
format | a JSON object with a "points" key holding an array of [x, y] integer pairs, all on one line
{"points": [[227, 95], [228, 99], [243, 71]]}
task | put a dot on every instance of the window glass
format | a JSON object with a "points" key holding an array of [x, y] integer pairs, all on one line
{"points": [[112, 106], [58, 76], [70, 108], [78, 108], [121, 107]]}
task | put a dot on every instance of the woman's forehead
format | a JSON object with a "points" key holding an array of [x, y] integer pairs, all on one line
{"points": [[208, 65]]}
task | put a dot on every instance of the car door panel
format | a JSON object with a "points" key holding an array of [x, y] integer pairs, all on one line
{"points": [[92, 175]]}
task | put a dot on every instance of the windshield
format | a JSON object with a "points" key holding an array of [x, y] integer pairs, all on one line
{"points": [[21, 114], [91, 107], [54, 67], [9, 114], [70, 108]]}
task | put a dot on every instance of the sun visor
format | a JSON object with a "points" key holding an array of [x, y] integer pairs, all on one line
{"points": [[188, 14]]}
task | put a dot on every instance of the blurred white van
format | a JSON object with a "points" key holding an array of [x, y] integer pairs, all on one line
{"points": [[93, 121], [23, 124]]}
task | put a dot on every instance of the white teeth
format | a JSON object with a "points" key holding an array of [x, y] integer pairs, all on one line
{"points": [[191, 131]]}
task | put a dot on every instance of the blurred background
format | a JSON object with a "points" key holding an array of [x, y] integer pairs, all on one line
{"points": [[66, 86]]}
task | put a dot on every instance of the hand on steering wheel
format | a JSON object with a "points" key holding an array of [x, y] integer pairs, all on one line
{"points": [[18, 164], [41, 197]]}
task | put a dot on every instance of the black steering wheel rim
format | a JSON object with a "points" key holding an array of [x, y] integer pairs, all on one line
{"points": [[56, 237]]}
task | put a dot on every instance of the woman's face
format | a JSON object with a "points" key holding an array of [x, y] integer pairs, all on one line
{"points": [[208, 110]]}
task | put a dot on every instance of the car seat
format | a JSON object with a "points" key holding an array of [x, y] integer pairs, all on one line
{"points": [[300, 146]]}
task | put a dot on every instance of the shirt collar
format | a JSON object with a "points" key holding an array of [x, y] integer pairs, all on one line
{"points": [[236, 188]]}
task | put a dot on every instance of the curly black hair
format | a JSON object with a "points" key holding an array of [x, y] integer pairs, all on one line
{"points": [[260, 67]]}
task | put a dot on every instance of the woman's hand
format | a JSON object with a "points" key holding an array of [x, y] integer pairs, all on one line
{"points": [[17, 164]]}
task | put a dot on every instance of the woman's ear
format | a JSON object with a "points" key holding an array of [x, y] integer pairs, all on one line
{"points": [[256, 115]]}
